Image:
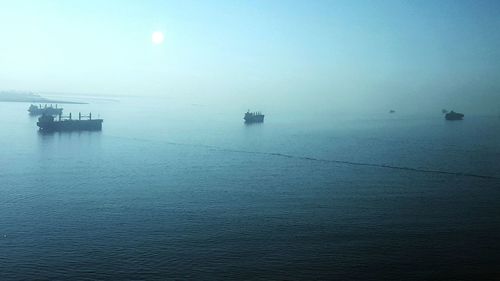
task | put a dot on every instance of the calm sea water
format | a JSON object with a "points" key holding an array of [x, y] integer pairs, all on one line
{"points": [[173, 190]]}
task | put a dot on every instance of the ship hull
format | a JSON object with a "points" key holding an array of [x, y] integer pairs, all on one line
{"points": [[454, 116], [254, 119], [71, 125]]}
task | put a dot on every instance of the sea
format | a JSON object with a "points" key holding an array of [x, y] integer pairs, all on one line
{"points": [[176, 190]]}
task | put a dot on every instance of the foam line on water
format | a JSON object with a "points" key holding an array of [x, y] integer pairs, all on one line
{"points": [[307, 158], [363, 164]]}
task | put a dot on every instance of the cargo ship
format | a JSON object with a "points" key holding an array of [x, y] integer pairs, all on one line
{"points": [[47, 110], [253, 117], [452, 115], [47, 123]]}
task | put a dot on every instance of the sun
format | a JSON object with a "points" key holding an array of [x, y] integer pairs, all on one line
{"points": [[157, 37]]}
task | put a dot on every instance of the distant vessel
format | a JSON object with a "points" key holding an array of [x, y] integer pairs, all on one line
{"points": [[253, 117], [47, 110], [392, 111], [452, 115], [48, 124]]}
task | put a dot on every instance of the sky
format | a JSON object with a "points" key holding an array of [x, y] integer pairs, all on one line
{"points": [[328, 55]]}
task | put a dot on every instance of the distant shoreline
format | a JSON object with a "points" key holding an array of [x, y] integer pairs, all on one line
{"points": [[43, 101], [31, 98]]}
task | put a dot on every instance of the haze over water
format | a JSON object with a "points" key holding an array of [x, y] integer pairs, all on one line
{"points": [[200, 195], [176, 187]]}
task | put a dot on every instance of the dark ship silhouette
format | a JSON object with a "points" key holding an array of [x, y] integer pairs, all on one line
{"points": [[253, 117], [47, 123], [452, 115], [47, 110]]}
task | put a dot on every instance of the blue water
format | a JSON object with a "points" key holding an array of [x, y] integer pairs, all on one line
{"points": [[185, 191]]}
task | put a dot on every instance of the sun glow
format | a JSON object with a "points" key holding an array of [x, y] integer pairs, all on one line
{"points": [[157, 37]]}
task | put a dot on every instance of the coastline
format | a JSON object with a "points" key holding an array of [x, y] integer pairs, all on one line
{"points": [[32, 98]]}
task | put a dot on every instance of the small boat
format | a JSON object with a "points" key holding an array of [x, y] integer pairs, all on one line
{"points": [[392, 111], [452, 115]]}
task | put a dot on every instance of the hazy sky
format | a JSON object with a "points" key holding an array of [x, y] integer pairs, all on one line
{"points": [[310, 53]]}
